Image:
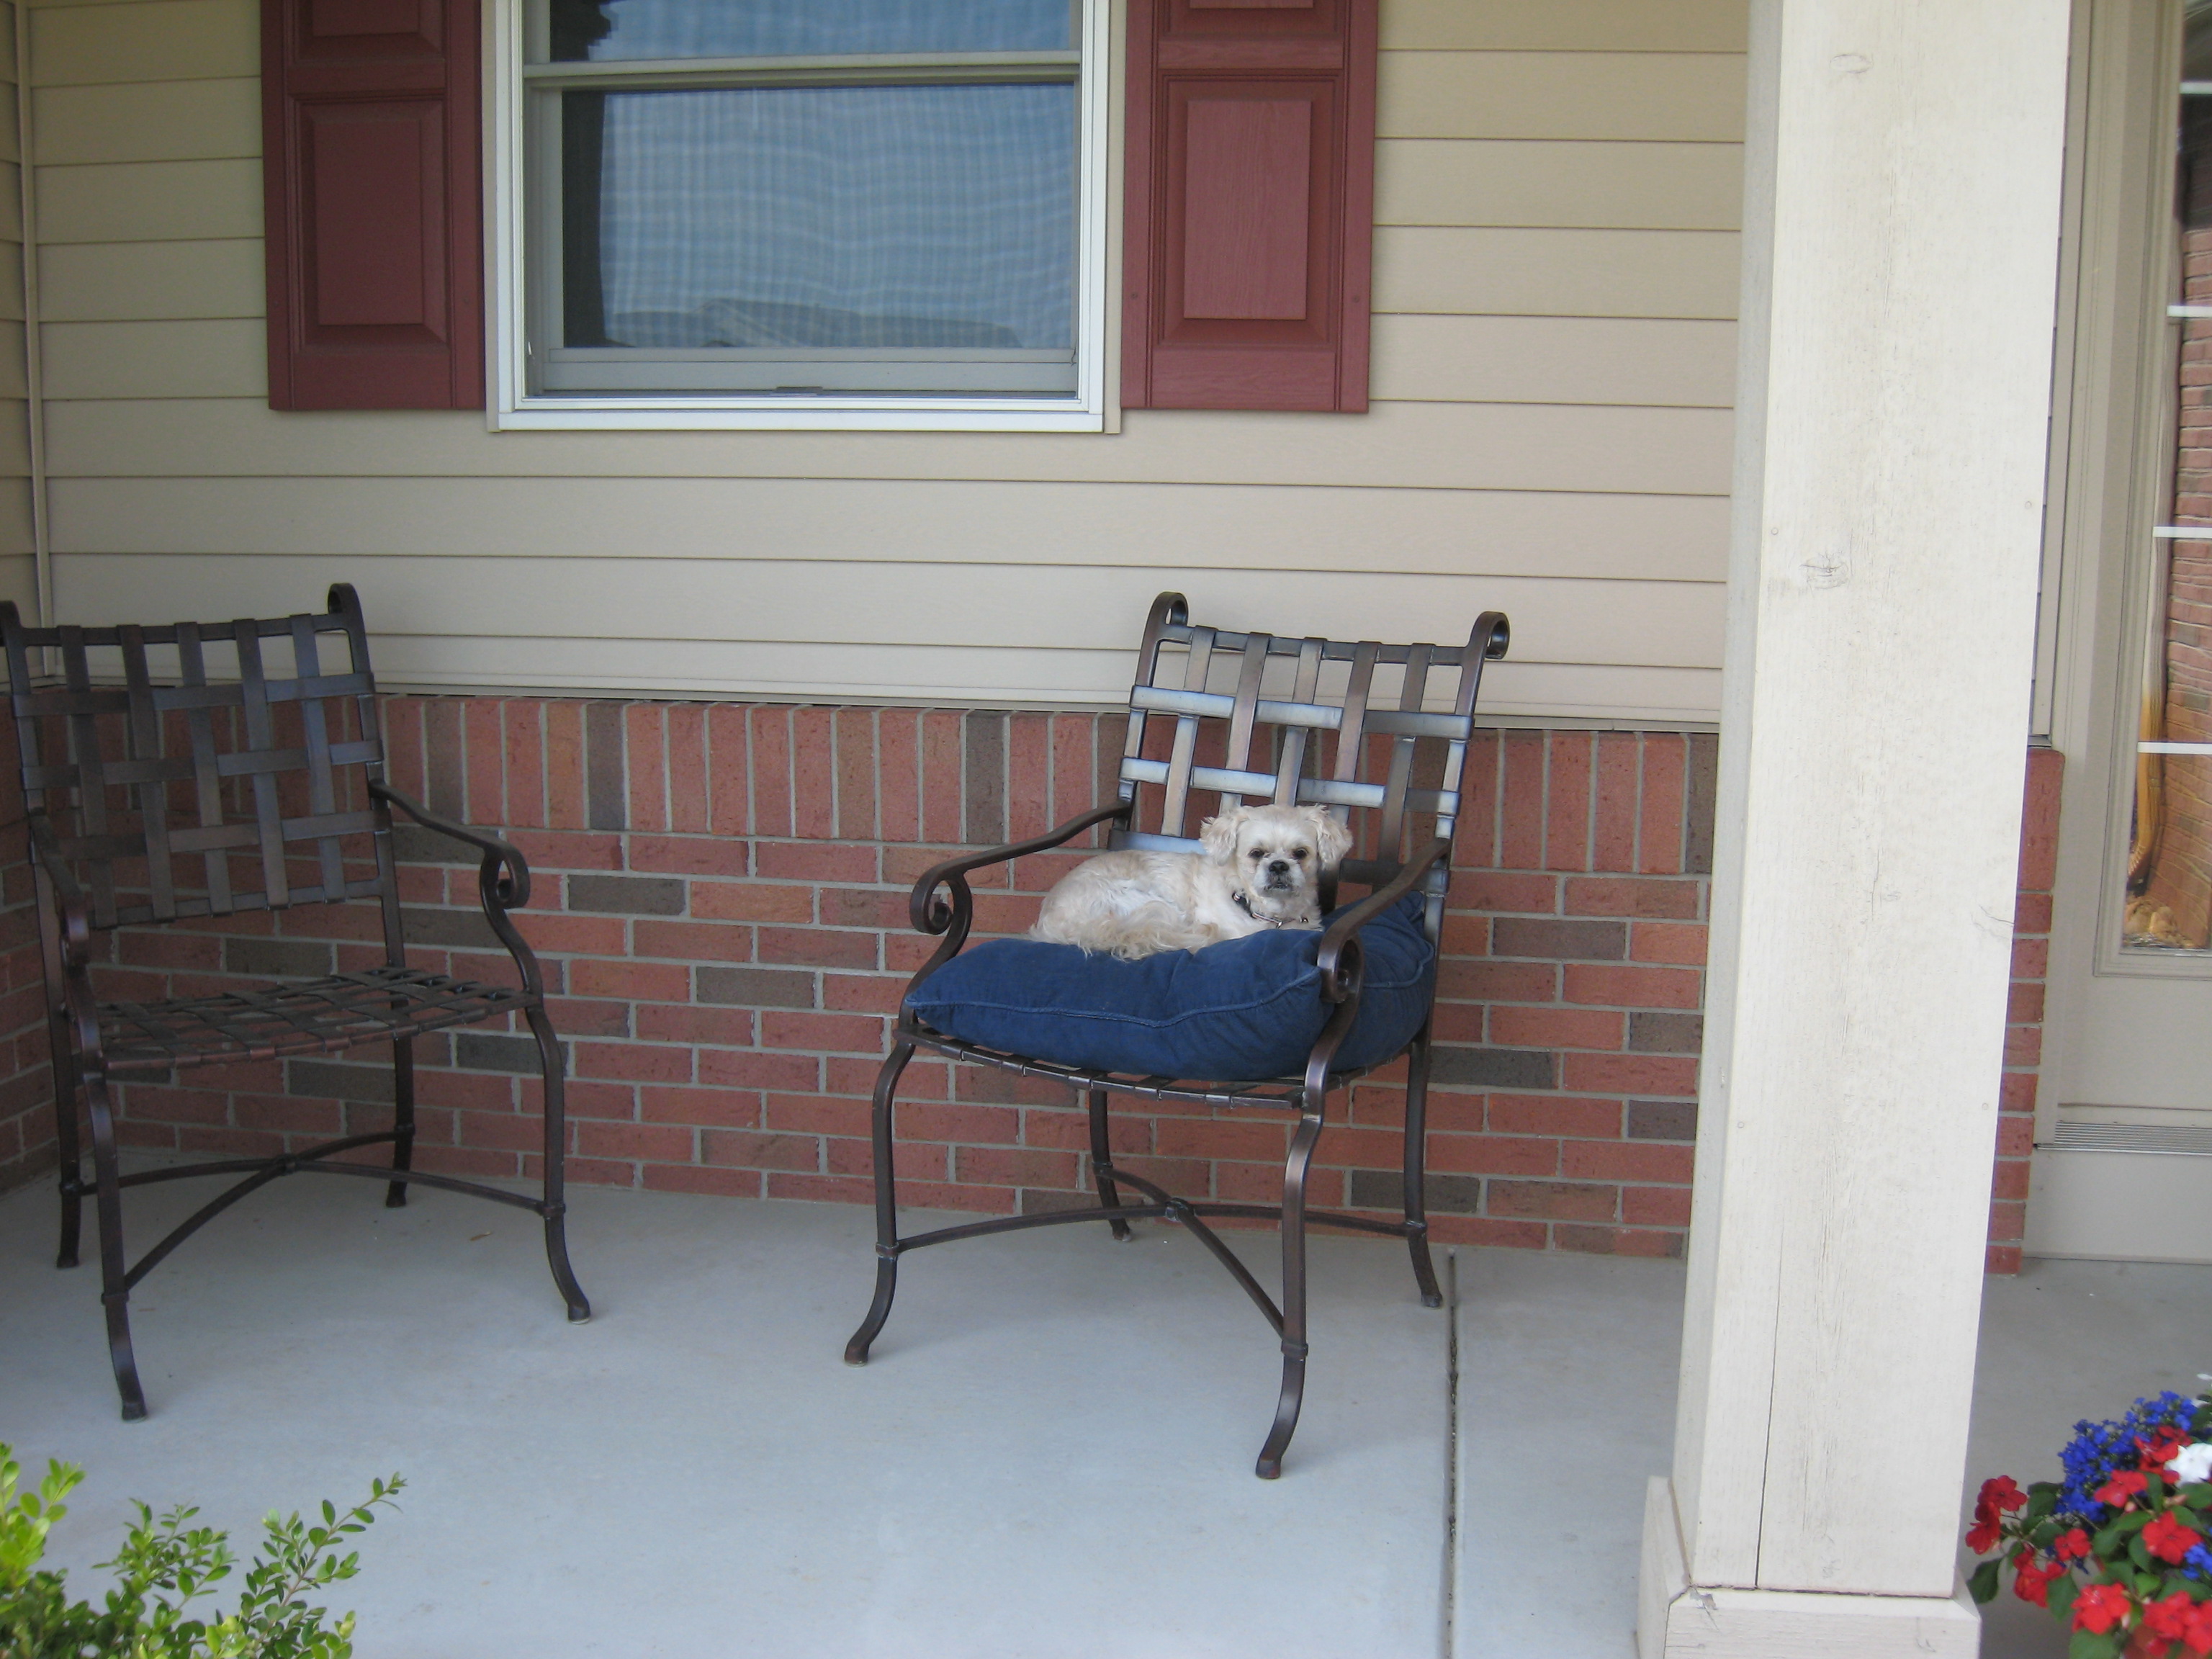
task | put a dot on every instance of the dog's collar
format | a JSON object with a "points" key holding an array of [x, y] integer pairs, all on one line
{"points": [[1245, 905]]}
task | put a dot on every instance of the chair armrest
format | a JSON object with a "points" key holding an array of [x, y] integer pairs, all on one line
{"points": [[935, 918], [931, 915], [75, 913], [1344, 931], [504, 876]]}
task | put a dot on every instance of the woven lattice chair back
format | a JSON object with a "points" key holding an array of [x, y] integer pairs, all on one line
{"points": [[201, 769], [1219, 720]]}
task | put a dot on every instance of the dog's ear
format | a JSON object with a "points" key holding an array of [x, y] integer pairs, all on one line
{"points": [[1217, 834], [1331, 838]]}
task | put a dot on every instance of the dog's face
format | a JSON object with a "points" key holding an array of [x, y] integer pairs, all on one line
{"points": [[1275, 855]]}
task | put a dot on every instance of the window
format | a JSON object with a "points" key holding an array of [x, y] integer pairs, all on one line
{"points": [[801, 213]]}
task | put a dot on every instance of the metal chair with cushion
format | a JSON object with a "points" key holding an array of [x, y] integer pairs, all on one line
{"points": [[202, 793], [1343, 1001]]}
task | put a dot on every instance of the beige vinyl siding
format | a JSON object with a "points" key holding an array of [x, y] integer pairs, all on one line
{"points": [[18, 562], [1555, 273]]}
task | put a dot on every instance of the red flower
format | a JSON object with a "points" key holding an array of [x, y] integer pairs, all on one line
{"points": [[2159, 1450], [2196, 1628], [1982, 1537], [2123, 1485], [2101, 1606], [2031, 1579], [1999, 1493], [2071, 1546], [2170, 1541], [2168, 1619]]}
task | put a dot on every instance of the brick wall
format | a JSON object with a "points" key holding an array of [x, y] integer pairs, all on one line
{"points": [[721, 895]]}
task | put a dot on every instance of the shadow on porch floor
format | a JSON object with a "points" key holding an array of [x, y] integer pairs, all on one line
{"points": [[1050, 1454]]}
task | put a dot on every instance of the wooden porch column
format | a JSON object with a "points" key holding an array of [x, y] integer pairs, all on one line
{"points": [[1902, 222]]}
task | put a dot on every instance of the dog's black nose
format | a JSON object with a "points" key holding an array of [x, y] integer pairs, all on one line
{"points": [[1279, 868]]}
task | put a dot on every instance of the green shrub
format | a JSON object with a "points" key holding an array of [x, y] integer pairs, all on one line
{"points": [[165, 1564]]}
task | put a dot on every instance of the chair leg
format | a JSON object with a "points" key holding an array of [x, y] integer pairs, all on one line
{"points": [[115, 1268], [1292, 1398], [1417, 1215], [71, 1172], [1102, 1162], [856, 1350], [556, 1208], [403, 1120]]}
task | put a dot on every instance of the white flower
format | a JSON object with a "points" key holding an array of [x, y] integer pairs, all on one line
{"points": [[2191, 1464]]}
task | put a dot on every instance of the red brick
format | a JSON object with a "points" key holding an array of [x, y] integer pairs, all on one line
{"points": [[637, 1062], [1228, 1138], [2002, 1258], [868, 993], [1630, 986], [1666, 782], [403, 744], [813, 774], [1547, 1115], [912, 1160], [689, 1178], [2016, 1092], [1481, 1230], [752, 901], [852, 1034], [718, 1109], [687, 768], [1475, 844], [1554, 1201], [2011, 1179], [1496, 981], [640, 981], [1631, 895], [2031, 958], [1676, 942], [1566, 824], [898, 774], [2039, 845], [2024, 1005], [730, 1027], [918, 1194], [1656, 1207], [942, 757], [1074, 766], [688, 855], [879, 907], [692, 941], [486, 762], [737, 1068], [1613, 844], [2023, 1045], [1625, 1160], [1616, 1241], [817, 1115], [747, 1148], [813, 948], [788, 860], [770, 735], [1557, 1028], [2032, 914], [1454, 1154], [564, 766], [506, 1132], [594, 936], [1629, 1074], [729, 771], [985, 1126], [557, 849], [1515, 892], [1521, 844], [1029, 776], [663, 1143]]}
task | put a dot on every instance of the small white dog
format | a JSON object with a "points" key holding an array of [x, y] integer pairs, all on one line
{"points": [[1262, 868]]}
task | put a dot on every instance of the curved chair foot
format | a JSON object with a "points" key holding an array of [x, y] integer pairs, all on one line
{"points": [[72, 1222], [1424, 1271], [395, 1195], [1270, 1466], [856, 1350], [124, 1361], [564, 1276]]}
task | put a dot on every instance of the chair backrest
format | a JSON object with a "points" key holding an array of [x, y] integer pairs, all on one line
{"points": [[1301, 722], [223, 774]]}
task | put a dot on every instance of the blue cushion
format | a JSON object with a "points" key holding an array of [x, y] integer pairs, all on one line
{"points": [[1240, 1010]]}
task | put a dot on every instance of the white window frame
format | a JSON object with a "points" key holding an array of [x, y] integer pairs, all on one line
{"points": [[514, 407]]}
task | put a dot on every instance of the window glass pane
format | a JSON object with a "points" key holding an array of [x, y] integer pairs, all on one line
{"points": [[811, 219], [2167, 898], [613, 29]]}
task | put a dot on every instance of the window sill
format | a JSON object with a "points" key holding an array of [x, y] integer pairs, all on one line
{"points": [[782, 415]]}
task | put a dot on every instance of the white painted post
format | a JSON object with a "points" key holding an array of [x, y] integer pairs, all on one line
{"points": [[1902, 213]]}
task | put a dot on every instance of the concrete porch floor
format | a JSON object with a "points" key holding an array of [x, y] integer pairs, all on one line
{"points": [[1049, 1455]]}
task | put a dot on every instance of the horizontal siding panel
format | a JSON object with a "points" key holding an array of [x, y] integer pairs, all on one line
{"points": [[86, 282], [1163, 527], [164, 40], [15, 530], [223, 358], [19, 577], [1557, 273], [1554, 359], [11, 205], [1559, 184], [11, 285], [15, 439], [149, 202], [11, 143], [1688, 97], [1641, 624], [161, 121], [15, 382], [1567, 25], [1667, 451]]}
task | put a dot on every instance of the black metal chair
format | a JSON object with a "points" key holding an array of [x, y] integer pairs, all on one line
{"points": [[200, 795], [1175, 665]]}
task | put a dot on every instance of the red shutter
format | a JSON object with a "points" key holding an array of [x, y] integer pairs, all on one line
{"points": [[1250, 184], [373, 194]]}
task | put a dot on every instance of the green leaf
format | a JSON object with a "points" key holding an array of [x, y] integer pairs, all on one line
{"points": [[2088, 1645], [2062, 1594], [1982, 1584]]}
